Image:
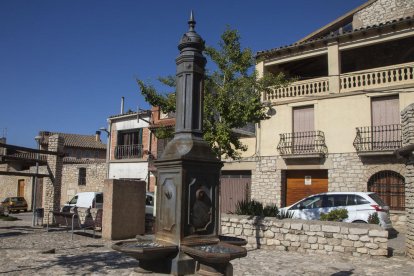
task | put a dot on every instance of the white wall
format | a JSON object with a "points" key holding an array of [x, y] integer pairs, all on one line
{"points": [[128, 170]]}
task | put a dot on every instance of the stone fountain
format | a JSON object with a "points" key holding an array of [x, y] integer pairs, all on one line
{"points": [[187, 224]]}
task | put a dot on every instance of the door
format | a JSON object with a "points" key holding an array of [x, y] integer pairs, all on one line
{"points": [[234, 187], [20, 187], [303, 183], [303, 129]]}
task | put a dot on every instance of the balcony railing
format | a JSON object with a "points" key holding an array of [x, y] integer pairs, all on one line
{"points": [[300, 89], [302, 143], [378, 138], [354, 81], [379, 77], [128, 151]]}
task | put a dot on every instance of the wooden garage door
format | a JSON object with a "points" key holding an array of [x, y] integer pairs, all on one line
{"points": [[234, 187], [303, 183]]}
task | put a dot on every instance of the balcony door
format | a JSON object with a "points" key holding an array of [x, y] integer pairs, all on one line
{"points": [[303, 129], [129, 144], [385, 115]]}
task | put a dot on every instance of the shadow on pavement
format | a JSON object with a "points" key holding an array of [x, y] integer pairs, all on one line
{"points": [[11, 234], [97, 262], [343, 273]]}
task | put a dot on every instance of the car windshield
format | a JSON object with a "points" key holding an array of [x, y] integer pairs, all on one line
{"points": [[74, 200], [377, 199], [16, 199]]}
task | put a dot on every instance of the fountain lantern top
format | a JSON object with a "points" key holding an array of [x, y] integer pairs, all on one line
{"points": [[191, 39]]}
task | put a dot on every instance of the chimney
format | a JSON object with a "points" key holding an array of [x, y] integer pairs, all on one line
{"points": [[98, 136], [122, 105]]}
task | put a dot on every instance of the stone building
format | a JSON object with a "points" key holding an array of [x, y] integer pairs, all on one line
{"points": [[81, 168], [337, 125]]}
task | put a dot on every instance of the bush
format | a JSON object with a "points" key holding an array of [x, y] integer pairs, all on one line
{"points": [[335, 215], [270, 211], [373, 218], [249, 208]]}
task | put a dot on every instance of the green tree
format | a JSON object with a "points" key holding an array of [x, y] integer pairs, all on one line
{"points": [[232, 95]]}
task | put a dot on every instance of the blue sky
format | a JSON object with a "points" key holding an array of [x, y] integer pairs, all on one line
{"points": [[65, 64]]}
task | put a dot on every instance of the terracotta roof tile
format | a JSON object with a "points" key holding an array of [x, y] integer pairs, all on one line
{"points": [[75, 140], [409, 20]]}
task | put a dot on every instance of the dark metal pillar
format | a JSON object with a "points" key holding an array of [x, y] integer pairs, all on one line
{"points": [[188, 170]]}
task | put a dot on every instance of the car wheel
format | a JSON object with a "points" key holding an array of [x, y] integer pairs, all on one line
{"points": [[25, 210], [359, 221]]}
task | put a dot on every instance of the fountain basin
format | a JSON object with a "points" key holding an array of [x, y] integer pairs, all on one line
{"points": [[233, 240], [214, 259], [220, 252], [146, 249]]}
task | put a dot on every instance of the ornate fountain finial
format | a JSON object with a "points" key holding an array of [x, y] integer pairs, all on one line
{"points": [[191, 22], [191, 39]]}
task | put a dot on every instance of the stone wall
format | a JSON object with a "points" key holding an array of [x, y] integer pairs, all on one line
{"points": [[399, 221], [266, 181], [52, 185], [308, 236], [407, 122], [95, 176], [9, 186], [347, 174], [409, 207], [350, 173], [382, 11]]}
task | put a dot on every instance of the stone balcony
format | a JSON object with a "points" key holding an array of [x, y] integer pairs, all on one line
{"points": [[400, 74]]}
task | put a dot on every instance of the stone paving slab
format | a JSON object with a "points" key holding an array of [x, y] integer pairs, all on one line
{"points": [[21, 250]]}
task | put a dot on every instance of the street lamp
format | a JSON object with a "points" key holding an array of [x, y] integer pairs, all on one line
{"points": [[34, 193]]}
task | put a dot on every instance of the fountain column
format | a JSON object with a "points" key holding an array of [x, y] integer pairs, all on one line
{"points": [[188, 170]]}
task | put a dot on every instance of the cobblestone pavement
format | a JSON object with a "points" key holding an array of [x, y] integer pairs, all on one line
{"points": [[25, 250]]}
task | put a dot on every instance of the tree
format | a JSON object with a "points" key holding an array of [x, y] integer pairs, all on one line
{"points": [[231, 98]]}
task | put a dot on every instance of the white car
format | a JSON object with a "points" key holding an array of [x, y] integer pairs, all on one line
{"points": [[359, 205]]}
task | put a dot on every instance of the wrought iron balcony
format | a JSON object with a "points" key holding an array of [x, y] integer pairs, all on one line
{"points": [[128, 151], [378, 138], [303, 144]]}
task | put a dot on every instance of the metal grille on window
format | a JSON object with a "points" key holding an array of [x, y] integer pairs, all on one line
{"points": [[82, 176], [390, 186]]}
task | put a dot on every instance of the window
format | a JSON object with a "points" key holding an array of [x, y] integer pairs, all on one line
{"points": [[390, 186], [360, 200], [129, 144], [340, 200], [74, 200], [310, 203], [82, 176]]}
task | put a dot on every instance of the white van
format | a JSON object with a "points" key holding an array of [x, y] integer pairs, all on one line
{"points": [[86, 200], [95, 200]]}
